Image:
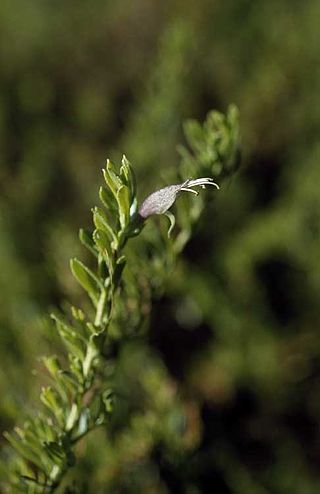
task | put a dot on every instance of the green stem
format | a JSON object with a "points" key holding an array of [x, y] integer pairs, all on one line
{"points": [[100, 308]]}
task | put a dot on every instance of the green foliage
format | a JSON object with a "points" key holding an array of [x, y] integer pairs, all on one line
{"points": [[79, 399], [221, 392]]}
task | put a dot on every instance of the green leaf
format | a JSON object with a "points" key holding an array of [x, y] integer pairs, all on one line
{"points": [[33, 480], [84, 420], [112, 180], [78, 314], [87, 279], [52, 401], [101, 223], [69, 381], [55, 450], [74, 340], [124, 205], [52, 364], [103, 243], [108, 199], [128, 176], [25, 451], [76, 366], [72, 416], [86, 240]]}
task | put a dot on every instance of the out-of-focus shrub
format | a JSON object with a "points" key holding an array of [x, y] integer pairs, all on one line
{"points": [[240, 339]]}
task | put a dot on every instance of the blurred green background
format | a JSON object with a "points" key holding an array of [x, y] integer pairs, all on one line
{"points": [[224, 394]]}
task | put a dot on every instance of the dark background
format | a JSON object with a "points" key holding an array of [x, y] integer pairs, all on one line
{"points": [[225, 393]]}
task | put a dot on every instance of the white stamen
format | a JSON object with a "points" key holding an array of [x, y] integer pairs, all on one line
{"points": [[190, 190], [201, 182]]}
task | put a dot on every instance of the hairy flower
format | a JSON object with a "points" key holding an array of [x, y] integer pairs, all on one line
{"points": [[160, 201]]}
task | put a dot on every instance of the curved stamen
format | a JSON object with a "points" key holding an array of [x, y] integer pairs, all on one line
{"points": [[185, 189], [201, 182]]}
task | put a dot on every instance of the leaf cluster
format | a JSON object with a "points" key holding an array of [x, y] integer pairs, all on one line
{"points": [[80, 395]]}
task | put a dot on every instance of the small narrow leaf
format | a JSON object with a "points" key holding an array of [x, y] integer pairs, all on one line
{"points": [[77, 314], [74, 340], [86, 240], [24, 450], [86, 278], [55, 450], [72, 417], [128, 176], [112, 180], [101, 223], [52, 364], [108, 199], [103, 243], [52, 401], [124, 205]]}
